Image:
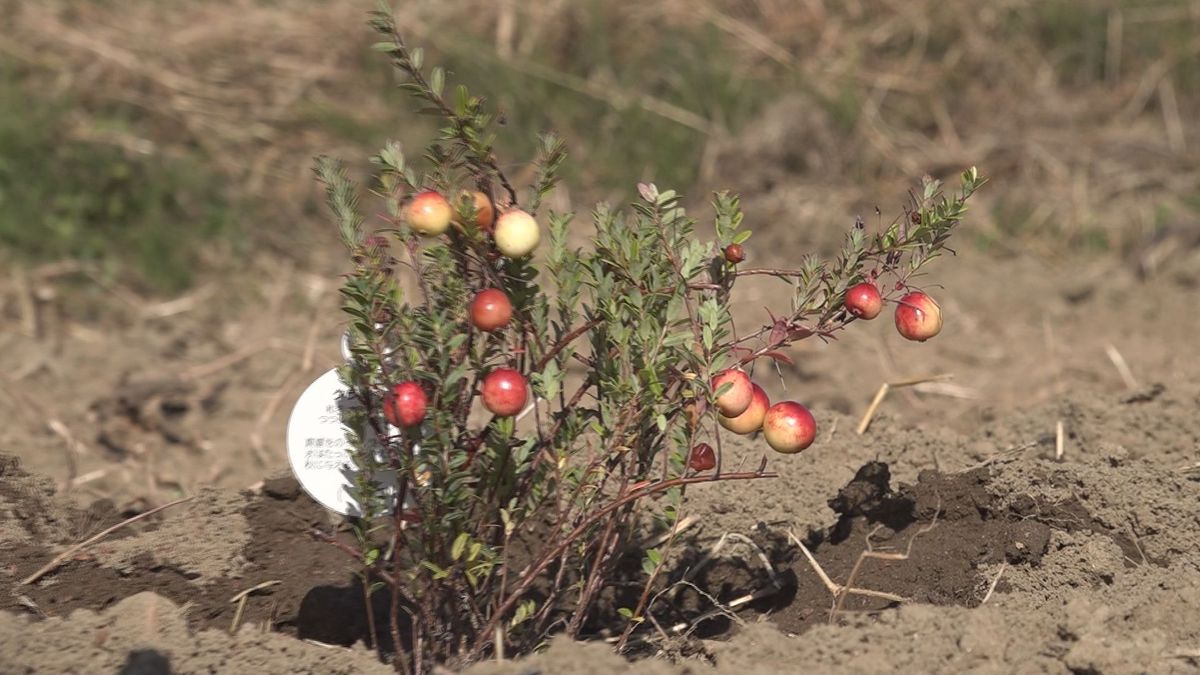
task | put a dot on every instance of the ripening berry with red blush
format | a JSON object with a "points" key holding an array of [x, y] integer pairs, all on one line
{"points": [[863, 301], [751, 419], [740, 392], [918, 317], [428, 213], [504, 392], [491, 309], [789, 427], [405, 405], [485, 213]]}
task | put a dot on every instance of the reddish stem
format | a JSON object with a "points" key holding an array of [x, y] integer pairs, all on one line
{"points": [[562, 344], [483, 637]]}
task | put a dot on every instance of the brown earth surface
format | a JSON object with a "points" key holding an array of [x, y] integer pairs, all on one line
{"points": [[1008, 557]]}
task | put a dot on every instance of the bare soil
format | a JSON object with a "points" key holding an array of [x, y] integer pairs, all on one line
{"points": [[1014, 561]]}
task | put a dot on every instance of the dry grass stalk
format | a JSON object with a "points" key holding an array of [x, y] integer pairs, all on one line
{"points": [[241, 598], [838, 590], [841, 591], [1122, 366], [886, 387]]}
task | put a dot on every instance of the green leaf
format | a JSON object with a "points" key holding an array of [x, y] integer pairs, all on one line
{"points": [[551, 380], [454, 376], [437, 80], [648, 566], [455, 342], [522, 452], [460, 543], [655, 556], [438, 572], [524, 611], [462, 100]]}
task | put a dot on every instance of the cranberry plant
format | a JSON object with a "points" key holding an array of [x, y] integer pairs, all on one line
{"points": [[513, 410]]}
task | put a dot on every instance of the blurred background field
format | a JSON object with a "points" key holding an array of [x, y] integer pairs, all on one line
{"points": [[159, 141], [159, 221]]}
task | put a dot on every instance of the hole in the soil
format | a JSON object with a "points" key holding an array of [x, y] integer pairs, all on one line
{"points": [[146, 662]]}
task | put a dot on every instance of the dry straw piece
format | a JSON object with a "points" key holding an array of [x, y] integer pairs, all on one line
{"points": [[1122, 366], [957, 392], [841, 591], [241, 598]]}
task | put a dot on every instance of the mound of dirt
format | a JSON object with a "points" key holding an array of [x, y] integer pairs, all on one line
{"points": [[206, 554], [150, 635], [1002, 559]]}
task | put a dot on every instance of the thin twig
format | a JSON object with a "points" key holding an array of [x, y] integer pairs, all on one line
{"points": [[267, 413], [179, 305], [871, 409], [762, 556], [829, 584], [218, 364], [870, 552]]}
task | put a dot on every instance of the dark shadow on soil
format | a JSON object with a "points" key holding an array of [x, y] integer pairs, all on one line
{"points": [[146, 662], [337, 615]]}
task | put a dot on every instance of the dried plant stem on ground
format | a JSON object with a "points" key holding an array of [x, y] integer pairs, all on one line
{"points": [[882, 393], [841, 591], [240, 601]]}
